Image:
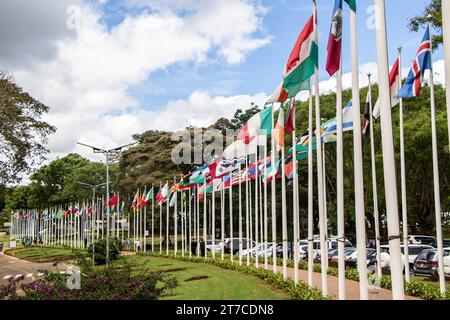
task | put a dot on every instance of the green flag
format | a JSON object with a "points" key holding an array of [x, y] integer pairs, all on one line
{"points": [[351, 4]]}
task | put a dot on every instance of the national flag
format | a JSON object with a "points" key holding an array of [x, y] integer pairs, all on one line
{"points": [[290, 120], [330, 127], [224, 166], [259, 124], [173, 199], [148, 197], [366, 118], [134, 204], [351, 4], [162, 194], [198, 176], [335, 40], [278, 135], [302, 60], [112, 202], [280, 95], [394, 84], [422, 62]]}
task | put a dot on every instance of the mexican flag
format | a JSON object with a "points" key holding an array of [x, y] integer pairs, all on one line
{"points": [[259, 124], [302, 60]]}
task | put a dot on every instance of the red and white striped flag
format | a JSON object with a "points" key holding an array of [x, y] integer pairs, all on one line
{"points": [[394, 80]]}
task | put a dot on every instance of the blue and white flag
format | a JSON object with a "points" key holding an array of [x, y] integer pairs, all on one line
{"points": [[330, 127], [422, 62]]}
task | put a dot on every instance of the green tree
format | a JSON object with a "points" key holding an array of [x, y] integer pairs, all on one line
{"points": [[23, 134], [432, 14]]}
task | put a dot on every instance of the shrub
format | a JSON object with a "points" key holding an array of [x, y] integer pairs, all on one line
{"points": [[98, 248]]}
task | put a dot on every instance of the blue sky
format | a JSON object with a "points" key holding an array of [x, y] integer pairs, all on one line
{"points": [[261, 70]]}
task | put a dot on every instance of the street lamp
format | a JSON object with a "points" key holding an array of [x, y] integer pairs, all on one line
{"points": [[108, 153]]}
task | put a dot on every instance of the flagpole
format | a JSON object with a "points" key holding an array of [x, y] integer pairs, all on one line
{"points": [[322, 222], [295, 196], [403, 173], [260, 210], [358, 164], [446, 39], [182, 223], [340, 184], [190, 224], [153, 218], [256, 210], [213, 223], [374, 185], [283, 214], [388, 154], [222, 221], [266, 258], [167, 218], [310, 188], [240, 217], [198, 224], [231, 221], [437, 196], [273, 198], [175, 219], [325, 198], [247, 212], [205, 224]]}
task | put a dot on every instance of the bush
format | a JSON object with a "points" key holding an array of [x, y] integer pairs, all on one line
{"points": [[114, 284], [98, 248]]}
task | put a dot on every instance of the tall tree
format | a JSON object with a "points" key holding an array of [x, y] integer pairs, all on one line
{"points": [[432, 14], [23, 134]]}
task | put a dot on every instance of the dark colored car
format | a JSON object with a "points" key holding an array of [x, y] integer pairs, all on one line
{"points": [[426, 264], [446, 243], [227, 245], [1, 246]]}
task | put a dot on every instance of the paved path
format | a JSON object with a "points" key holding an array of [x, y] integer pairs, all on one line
{"points": [[11, 267], [351, 287]]}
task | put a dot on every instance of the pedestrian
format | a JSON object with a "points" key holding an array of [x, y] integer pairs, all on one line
{"points": [[85, 242], [202, 247]]}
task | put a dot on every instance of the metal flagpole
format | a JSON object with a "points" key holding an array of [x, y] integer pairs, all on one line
{"points": [[256, 210], [247, 231], [190, 229], [340, 184], [403, 173], [322, 222], [283, 214], [388, 154], [374, 186], [167, 219], [222, 219], [231, 221], [266, 258], [145, 223], [295, 199], [213, 223], [446, 39], [358, 165], [160, 222], [153, 218], [437, 196], [205, 224], [175, 219], [182, 223], [240, 217], [198, 224], [273, 200], [310, 188]]}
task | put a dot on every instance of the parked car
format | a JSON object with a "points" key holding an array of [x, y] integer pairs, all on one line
{"points": [[332, 244], [414, 250], [227, 245], [259, 250], [426, 264], [385, 258], [352, 260], [446, 243], [347, 253], [421, 239], [216, 247]]}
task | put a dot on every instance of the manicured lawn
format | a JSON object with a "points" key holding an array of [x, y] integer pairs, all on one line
{"points": [[4, 238], [434, 284], [201, 281], [41, 254]]}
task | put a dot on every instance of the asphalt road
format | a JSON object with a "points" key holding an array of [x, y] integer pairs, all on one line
{"points": [[11, 267]]}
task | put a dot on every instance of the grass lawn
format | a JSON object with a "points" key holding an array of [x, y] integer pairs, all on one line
{"points": [[202, 281], [433, 284], [4, 238], [40, 254]]}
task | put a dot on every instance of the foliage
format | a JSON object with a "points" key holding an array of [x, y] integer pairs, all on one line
{"points": [[113, 284], [242, 116], [98, 248], [23, 134], [432, 14]]}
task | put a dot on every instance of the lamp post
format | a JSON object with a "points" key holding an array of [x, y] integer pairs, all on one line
{"points": [[108, 153]]}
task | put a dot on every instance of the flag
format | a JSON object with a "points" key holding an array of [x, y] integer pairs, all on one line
{"points": [[422, 62], [280, 95], [335, 40], [134, 204], [278, 135], [302, 60], [259, 124], [198, 176], [290, 121], [148, 197], [162, 194], [394, 84], [224, 166], [366, 118], [330, 127], [351, 4], [112, 202], [173, 199]]}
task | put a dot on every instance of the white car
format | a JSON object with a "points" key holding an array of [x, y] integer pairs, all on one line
{"points": [[260, 249], [216, 247], [420, 239], [385, 258], [414, 250], [332, 244]]}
